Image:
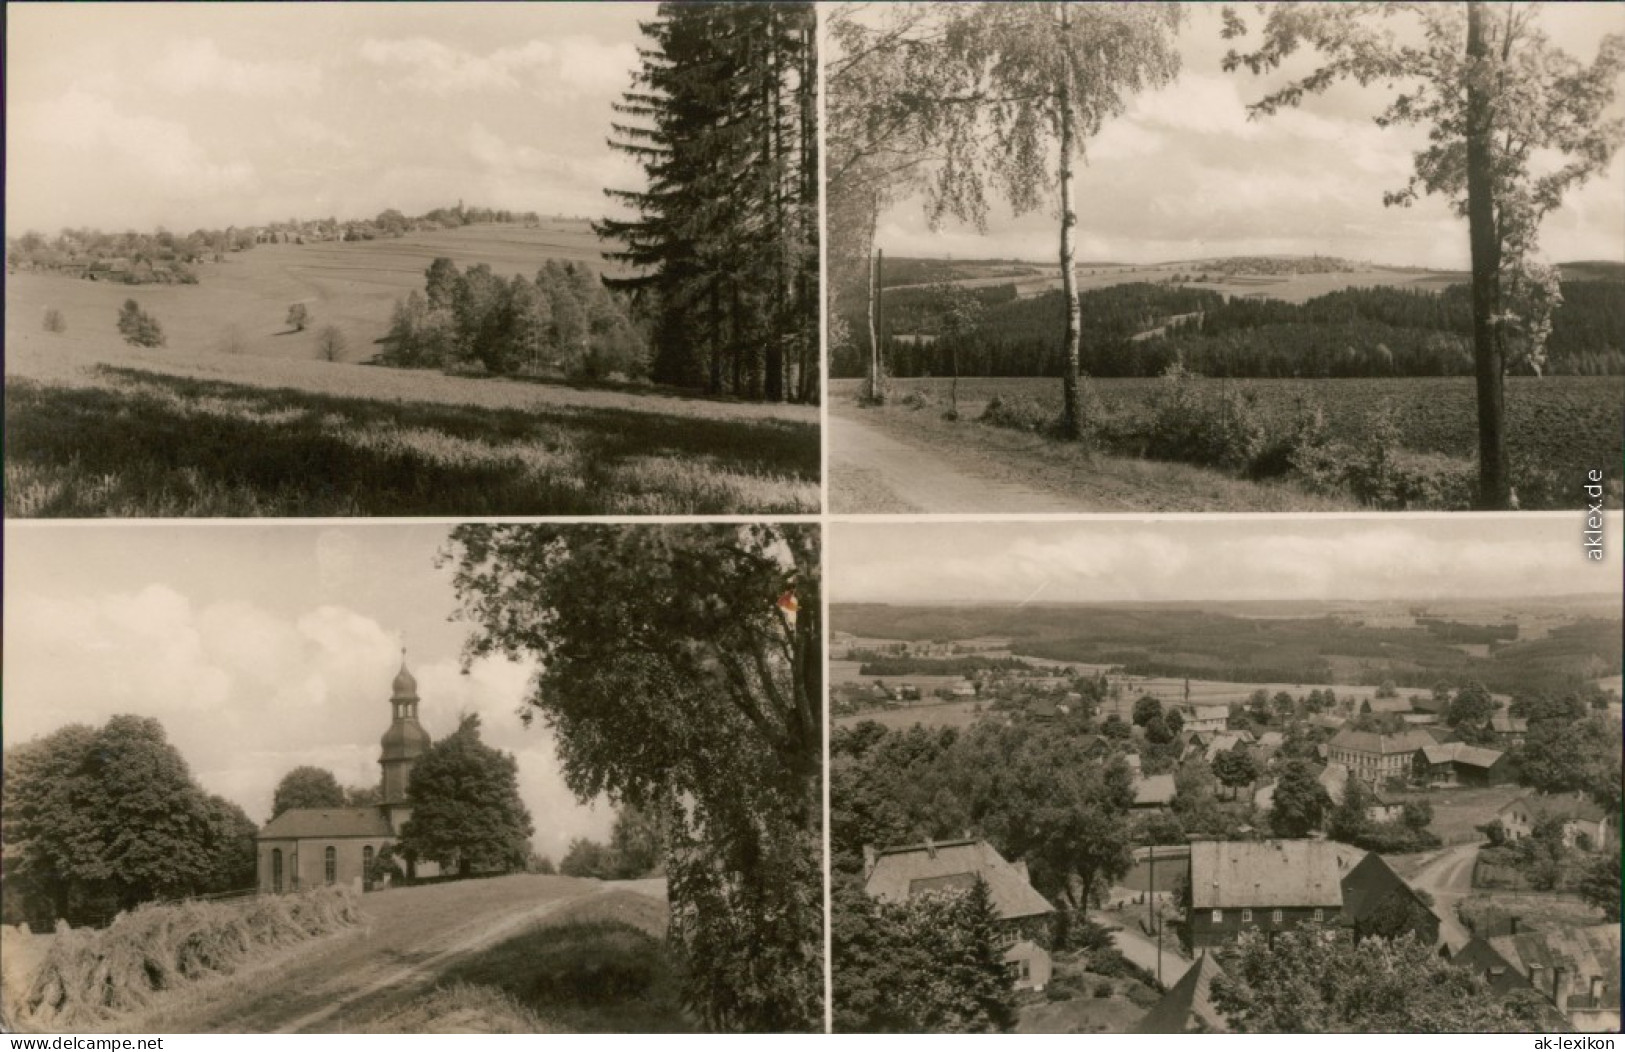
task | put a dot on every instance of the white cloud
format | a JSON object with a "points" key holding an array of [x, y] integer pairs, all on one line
{"points": [[132, 145], [573, 66], [197, 65]]}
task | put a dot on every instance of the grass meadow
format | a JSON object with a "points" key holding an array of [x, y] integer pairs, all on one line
{"points": [[262, 427]]}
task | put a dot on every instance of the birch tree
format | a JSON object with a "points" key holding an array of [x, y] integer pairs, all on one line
{"points": [[1513, 124]]}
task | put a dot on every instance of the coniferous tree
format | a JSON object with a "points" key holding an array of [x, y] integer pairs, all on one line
{"points": [[724, 246]]}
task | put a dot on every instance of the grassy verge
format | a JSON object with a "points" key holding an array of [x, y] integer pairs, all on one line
{"points": [[132, 442], [597, 967]]}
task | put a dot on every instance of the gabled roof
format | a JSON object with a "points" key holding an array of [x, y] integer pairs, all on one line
{"points": [[1461, 752], [1382, 744], [1504, 724], [327, 822], [1271, 739], [1229, 874], [1380, 705], [1210, 712], [1539, 805], [1368, 885], [1187, 1007], [901, 872], [1581, 952]]}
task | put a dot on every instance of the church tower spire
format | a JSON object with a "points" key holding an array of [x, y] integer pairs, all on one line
{"points": [[405, 740]]}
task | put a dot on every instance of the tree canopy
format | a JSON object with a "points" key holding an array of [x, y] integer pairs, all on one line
{"points": [[307, 787], [682, 673], [101, 819], [466, 810]]}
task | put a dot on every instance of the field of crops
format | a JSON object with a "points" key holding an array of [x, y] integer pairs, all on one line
{"points": [[1559, 424]]}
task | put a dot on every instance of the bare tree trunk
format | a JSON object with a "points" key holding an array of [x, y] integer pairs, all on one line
{"points": [[1071, 420], [1489, 352], [875, 266]]}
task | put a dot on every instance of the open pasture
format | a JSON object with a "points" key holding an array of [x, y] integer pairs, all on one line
{"points": [[240, 305], [261, 426]]}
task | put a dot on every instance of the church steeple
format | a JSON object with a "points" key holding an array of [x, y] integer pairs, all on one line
{"points": [[405, 740]]}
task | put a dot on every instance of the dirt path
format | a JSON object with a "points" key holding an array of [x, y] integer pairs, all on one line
{"points": [[379, 977], [1142, 949], [881, 472], [1448, 877]]}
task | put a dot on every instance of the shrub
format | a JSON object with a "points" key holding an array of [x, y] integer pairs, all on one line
{"points": [[1220, 428], [54, 322], [139, 327], [1019, 413], [1103, 988], [917, 400], [298, 317]]}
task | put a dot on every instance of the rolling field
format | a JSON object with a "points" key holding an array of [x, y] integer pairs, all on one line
{"points": [[1560, 424], [237, 416]]}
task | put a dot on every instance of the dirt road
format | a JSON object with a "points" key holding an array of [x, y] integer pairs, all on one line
{"points": [[412, 937], [876, 471], [1448, 877], [1141, 948]]}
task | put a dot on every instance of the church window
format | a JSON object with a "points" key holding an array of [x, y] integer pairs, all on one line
{"points": [[331, 857]]}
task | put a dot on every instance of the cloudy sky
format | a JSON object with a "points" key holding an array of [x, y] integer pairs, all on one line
{"points": [[1387, 557], [133, 115], [260, 648], [1184, 174]]}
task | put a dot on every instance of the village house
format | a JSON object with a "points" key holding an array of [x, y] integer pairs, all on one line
{"points": [[1586, 825], [1153, 792], [1199, 718], [1374, 758], [1457, 763], [1377, 901], [1334, 779], [1509, 730], [1575, 968], [308, 847], [1267, 886], [897, 874]]}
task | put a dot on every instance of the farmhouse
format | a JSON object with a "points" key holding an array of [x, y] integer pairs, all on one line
{"points": [[1585, 824], [1374, 757], [1376, 901], [1509, 730], [1153, 792], [898, 874], [1267, 886], [1457, 763], [1200, 718], [1335, 779], [1576, 969], [305, 847]]}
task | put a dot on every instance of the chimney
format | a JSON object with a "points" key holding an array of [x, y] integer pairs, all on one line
{"points": [[870, 856]]}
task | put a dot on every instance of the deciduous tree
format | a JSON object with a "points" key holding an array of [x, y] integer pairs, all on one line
{"points": [[1513, 123], [1300, 801], [306, 787], [466, 810]]}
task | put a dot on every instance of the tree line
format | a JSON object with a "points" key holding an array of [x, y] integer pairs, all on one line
{"points": [[1143, 329], [564, 321], [722, 118]]}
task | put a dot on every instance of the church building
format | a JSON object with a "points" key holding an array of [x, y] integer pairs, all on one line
{"points": [[308, 847]]}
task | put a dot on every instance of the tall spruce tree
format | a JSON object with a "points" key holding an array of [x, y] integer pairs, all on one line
{"points": [[724, 248]]}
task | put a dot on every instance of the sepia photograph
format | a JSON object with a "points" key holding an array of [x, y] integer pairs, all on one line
{"points": [[371, 259], [1188, 257], [412, 778], [1287, 775]]}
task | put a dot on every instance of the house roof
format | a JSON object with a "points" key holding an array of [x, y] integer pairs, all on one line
{"points": [[1271, 739], [1381, 744], [1387, 704], [1154, 790], [1187, 1007], [1210, 712], [1504, 724], [327, 822], [1233, 873], [1539, 806], [1368, 885], [1461, 752], [901, 872], [1583, 952]]}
